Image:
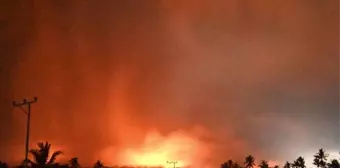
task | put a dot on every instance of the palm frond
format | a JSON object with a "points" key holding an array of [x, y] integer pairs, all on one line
{"points": [[36, 155], [41, 145], [54, 157]]}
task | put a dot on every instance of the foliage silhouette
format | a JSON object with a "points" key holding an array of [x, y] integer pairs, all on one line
{"points": [[299, 163], [22, 164], [249, 161], [333, 164], [41, 156], [99, 164], [42, 160], [287, 165], [263, 164], [236, 165], [224, 165], [57, 165], [228, 164], [320, 159], [3, 164], [74, 163]]}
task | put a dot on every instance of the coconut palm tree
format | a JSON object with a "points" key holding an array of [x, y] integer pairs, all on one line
{"points": [[333, 164], [263, 164], [74, 163], [320, 159], [41, 155], [249, 161]]}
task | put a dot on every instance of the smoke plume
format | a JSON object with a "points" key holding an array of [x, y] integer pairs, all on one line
{"points": [[251, 77]]}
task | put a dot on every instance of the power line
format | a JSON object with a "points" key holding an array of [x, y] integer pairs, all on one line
{"points": [[28, 113]]}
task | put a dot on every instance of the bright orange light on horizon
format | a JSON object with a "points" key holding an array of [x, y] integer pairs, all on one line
{"points": [[157, 150]]}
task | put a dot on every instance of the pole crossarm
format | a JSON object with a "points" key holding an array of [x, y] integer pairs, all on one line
{"points": [[28, 113], [172, 162], [24, 102]]}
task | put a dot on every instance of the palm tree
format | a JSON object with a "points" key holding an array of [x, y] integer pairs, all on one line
{"points": [[320, 159], [249, 161], [74, 163], [299, 163], [41, 155], [287, 165], [263, 164], [99, 164], [333, 164]]}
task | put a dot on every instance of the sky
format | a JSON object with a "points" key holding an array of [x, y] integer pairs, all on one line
{"points": [[248, 77]]}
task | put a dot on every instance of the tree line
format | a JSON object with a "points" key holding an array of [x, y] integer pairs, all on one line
{"points": [[42, 158], [320, 161]]}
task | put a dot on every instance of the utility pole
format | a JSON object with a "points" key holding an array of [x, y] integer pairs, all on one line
{"points": [[28, 113], [172, 162]]}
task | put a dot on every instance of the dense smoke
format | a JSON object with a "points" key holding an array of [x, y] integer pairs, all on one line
{"points": [[253, 77]]}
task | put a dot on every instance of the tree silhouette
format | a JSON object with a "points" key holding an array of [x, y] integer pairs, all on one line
{"points": [[74, 163], [249, 161], [263, 164], [41, 155], [320, 159], [228, 164], [99, 164], [287, 165], [224, 165], [333, 164], [299, 163], [22, 164], [3, 165], [236, 165], [57, 165]]}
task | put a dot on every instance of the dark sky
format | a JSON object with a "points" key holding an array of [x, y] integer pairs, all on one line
{"points": [[262, 77]]}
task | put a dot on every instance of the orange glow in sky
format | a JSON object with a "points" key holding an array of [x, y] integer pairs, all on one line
{"points": [[157, 150]]}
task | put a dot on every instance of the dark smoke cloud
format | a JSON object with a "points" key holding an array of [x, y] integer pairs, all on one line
{"points": [[261, 76]]}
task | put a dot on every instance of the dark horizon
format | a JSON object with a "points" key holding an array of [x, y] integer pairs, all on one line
{"points": [[320, 158], [227, 77]]}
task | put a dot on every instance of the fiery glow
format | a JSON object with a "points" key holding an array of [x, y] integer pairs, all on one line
{"points": [[157, 150]]}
